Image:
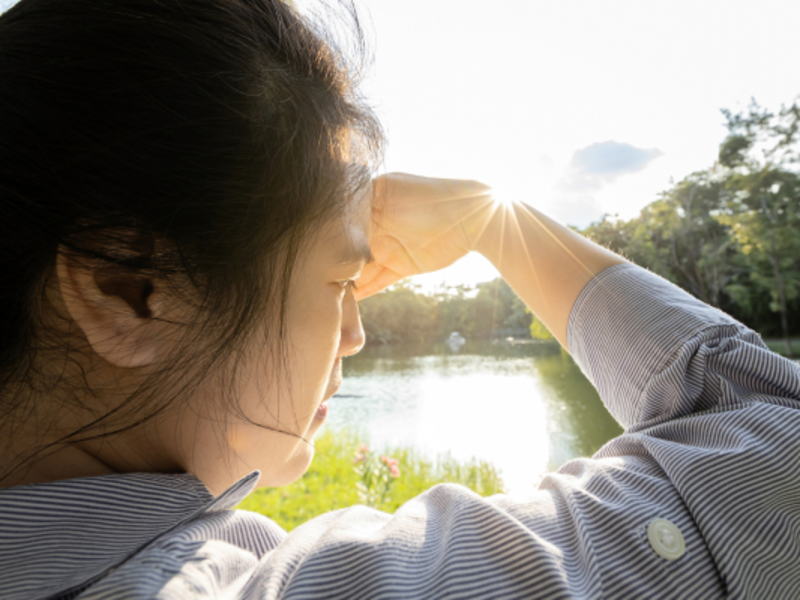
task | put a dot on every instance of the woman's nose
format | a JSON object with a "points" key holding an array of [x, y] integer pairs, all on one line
{"points": [[352, 336]]}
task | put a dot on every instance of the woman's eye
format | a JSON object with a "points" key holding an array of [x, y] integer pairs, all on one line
{"points": [[349, 283]]}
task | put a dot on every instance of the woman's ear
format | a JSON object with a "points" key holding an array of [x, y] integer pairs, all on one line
{"points": [[120, 312]]}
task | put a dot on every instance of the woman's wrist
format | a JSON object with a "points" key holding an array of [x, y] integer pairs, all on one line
{"points": [[546, 263], [484, 231]]}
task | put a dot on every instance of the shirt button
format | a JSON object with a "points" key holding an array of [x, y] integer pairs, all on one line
{"points": [[666, 539]]}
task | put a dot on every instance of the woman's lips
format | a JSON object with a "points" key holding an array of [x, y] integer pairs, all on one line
{"points": [[334, 383], [334, 379], [322, 409], [322, 412]]}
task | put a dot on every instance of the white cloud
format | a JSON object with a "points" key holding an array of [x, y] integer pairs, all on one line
{"points": [[591, 171], [594, 166]]}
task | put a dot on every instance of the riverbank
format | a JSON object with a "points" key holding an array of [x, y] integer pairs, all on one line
{"points": [[332, 481]]}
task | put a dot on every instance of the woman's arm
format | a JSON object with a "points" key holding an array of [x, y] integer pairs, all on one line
{"points": [[547, 264], [423, 224]]}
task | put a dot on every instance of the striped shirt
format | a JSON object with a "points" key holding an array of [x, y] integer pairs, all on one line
{"points": [[711, 446]]}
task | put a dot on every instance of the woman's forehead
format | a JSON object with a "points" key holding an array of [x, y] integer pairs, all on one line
{"points": [[360, 207], [351, 241], [357, 219], [345, 238]]}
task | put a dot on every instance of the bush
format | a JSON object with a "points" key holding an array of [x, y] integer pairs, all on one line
{"points": [[332, 481]]}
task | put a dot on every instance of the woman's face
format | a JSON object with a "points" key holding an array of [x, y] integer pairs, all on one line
{"points": [[289, 400], [279, 393]]}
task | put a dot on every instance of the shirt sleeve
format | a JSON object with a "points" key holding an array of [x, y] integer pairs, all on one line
{"points": [[656, 353], [672, 370]]}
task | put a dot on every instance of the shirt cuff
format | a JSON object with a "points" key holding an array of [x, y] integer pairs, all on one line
{"points": [[627, 326]]}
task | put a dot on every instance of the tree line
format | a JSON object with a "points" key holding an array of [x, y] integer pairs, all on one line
{"points": [[404, 314], [729, 235]]}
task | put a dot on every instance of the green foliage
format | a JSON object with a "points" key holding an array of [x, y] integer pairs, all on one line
{"points": [[729, 235], [680, 238], [377, 474], [332, 481], [539, 331], [779, 346], [402, 314], [763, 217], [732, 152], [758, 136], [399, 314]]}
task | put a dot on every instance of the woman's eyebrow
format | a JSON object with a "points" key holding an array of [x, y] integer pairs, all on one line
{"points": [[352, 253]]}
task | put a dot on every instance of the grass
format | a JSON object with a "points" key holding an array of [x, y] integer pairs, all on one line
{"points": [[330, 482], [779, 347]]}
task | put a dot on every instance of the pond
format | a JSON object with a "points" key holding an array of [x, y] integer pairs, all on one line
{"points": [[526, 408]]}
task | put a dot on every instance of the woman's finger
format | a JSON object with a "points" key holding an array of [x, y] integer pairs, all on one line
{"points": [[369, 283]]}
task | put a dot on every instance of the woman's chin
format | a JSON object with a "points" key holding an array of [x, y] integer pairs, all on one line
{"points": [[294, 468]]}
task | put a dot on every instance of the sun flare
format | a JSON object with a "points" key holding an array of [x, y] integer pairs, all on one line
{"points": [[505, 196]]}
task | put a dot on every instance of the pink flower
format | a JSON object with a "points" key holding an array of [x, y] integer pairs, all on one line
{"points": [[394, 471], [363, 448]]}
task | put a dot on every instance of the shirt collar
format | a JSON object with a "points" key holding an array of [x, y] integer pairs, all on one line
{"points": [[59, 535]]}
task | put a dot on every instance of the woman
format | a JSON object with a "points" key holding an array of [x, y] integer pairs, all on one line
{"points": [[189, 220]]}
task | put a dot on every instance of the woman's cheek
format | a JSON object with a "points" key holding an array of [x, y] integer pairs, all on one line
{"points": [[322, 330]]}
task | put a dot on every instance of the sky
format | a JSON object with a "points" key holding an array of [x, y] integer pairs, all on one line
{"points": [[578, 107]]}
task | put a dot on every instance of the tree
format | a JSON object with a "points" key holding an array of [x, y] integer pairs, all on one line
{"points": [[701, 256], [399, 314], [760, 155], [539, 330], [403, 314], [759, 136], [764, 218], [679, 238], [482, 311]]}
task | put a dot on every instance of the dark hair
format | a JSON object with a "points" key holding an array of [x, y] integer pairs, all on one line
{"points": [[219, 131]]}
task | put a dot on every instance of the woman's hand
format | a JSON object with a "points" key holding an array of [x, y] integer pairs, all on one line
{"points": [[421, 225]]}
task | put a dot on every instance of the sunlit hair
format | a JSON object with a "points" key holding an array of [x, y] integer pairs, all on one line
{"points": [[198, 142]]}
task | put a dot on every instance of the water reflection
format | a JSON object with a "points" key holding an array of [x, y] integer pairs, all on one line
{"points": [[579, 422], [526, 408]]}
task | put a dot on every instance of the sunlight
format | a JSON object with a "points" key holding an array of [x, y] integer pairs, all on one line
{"points": [[505, 196]]}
